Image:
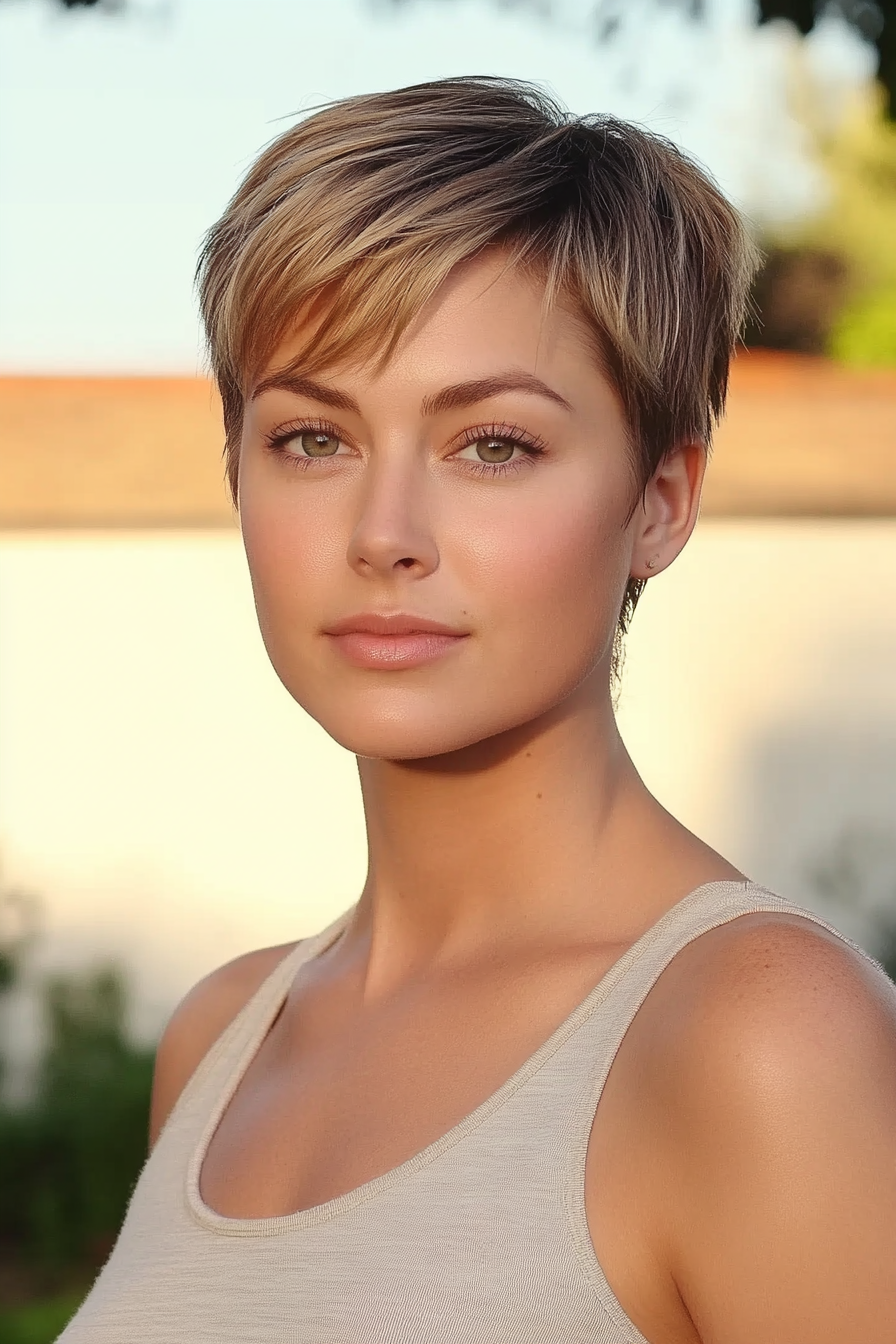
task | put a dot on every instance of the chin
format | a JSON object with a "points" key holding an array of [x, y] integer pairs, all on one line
{"points": [[408, 727]]}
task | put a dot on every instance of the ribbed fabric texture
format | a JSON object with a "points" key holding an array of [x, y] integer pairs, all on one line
{"points": [[479, 1239]]}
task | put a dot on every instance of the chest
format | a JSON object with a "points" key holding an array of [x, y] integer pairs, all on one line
{"points": [[334, 1099], [337, 1095]]}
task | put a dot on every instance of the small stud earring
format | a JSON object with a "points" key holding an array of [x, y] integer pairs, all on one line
{"points": [[651, 564]]}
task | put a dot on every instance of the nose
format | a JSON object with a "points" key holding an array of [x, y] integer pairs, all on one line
{"points": [[392, 534]]}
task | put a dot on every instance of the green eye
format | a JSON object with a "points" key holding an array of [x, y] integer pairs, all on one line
{"points": [[315, 443], [494, 450]]}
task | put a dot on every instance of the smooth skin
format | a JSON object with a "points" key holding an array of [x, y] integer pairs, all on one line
{"points": [[741, 1173]]}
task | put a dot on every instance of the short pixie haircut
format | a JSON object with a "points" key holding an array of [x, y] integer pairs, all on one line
{"points": [[359, 212]]}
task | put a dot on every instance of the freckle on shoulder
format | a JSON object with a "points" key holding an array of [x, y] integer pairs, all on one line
{"points": [[761, 980]]}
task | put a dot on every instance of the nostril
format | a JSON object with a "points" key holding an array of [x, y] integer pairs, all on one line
{"points": [[407, 561]]}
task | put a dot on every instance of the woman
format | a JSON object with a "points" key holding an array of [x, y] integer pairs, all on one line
{"points": [[470, 353]]}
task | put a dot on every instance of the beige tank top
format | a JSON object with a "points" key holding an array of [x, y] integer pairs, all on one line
{"points": [[479, 1239]]}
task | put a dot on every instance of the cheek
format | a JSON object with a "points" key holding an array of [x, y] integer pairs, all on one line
{"points": [[290, 553], [556, 565]]}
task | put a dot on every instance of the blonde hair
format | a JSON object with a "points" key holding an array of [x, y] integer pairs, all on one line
{"points": [[359, 212]]}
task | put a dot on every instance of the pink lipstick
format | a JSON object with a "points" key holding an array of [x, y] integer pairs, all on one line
{"points": [[394, 641]]}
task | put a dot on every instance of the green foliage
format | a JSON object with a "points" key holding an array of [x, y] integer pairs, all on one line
{"points": [[38, 1322], [846, 309], [865, 332], [858, 157], [70, 1156], [68, 1161]]}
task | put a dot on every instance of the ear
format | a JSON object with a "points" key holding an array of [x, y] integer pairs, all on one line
{"points": [[666, 517]]}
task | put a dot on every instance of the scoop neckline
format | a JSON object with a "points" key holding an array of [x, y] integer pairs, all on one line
{"points": [[332, 1208]]}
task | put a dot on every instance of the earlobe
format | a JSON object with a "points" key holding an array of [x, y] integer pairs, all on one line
{"points": [[672, 502]]}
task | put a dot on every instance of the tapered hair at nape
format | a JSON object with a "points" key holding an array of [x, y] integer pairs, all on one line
{"points": [[348, 223]]}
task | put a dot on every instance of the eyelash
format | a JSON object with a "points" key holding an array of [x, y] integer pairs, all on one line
{"points": [[530, 444]]}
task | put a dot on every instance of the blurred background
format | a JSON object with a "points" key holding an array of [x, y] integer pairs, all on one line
{"points": [[164, 805]]}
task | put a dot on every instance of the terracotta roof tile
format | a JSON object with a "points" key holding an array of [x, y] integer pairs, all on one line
{"points": [[113, 452], [804, 436]]}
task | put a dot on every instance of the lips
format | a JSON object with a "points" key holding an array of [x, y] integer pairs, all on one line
{"points": [[392, 641], [395, 623]]}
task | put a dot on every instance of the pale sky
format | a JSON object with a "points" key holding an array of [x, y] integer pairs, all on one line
{"points": [[122, 137]]}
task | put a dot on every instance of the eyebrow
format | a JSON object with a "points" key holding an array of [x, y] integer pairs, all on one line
{"points": [[480, 389], [452, 398], [307, 387]]}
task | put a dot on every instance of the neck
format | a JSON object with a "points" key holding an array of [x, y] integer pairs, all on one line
{"points": [[542, 833]]}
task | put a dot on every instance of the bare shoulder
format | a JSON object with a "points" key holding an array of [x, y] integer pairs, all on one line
{"points": [[779, 950], [772, 1001], [199, 1019], [772, 1048], [778, 980]]}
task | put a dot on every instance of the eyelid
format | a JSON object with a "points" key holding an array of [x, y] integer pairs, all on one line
{"points": [[515, 434], [530, 444], [281, 434]]}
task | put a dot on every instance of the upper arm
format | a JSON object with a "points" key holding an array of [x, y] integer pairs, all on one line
{"points": [[779, 1098], [197, 1022]]}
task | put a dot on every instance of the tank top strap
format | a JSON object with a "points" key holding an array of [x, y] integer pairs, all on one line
{"points": [[209, 1088], [617, 998], [588, 1056]]}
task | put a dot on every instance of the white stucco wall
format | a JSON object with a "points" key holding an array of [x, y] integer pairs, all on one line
{"points": [[172, 806]]}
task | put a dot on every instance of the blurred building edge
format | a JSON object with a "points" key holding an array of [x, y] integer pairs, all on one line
{"points": [[803, 437], [111, 452]]}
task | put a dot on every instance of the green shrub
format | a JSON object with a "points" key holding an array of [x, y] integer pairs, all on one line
{"points": [[38, 1322], [70, 1157], [865, 332]]}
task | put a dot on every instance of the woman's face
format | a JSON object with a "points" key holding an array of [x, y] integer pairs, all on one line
{"points": [[481, 482]]}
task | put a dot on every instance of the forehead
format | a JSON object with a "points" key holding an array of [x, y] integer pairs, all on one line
{"points": [[489, 313]]}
